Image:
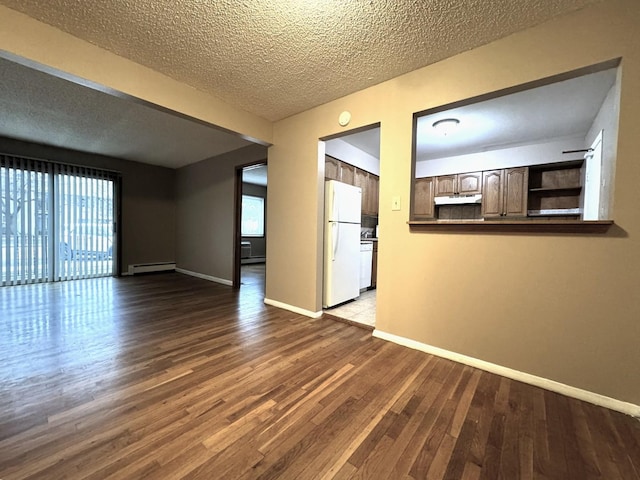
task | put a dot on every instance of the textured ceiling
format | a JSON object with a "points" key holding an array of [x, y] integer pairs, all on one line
{"points": [[38, 107], [275, 58]]}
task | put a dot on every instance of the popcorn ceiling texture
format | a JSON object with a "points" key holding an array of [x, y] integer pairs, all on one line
{"points": [[275, 58]]}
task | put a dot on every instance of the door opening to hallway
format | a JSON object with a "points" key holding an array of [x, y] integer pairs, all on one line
{"points": [[250, 227]]}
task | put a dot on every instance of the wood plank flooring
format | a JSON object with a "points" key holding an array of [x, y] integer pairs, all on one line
{"points": [[172, 377]]}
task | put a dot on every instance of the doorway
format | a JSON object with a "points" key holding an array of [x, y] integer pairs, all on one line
{"points": [[353, 158], [250, 228]]}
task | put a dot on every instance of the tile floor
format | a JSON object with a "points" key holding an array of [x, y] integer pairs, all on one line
{"points": [[362, 310]]}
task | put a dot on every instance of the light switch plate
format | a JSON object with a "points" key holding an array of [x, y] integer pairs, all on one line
{"points": [[395, 203]]}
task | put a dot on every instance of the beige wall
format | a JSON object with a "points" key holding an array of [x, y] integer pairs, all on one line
{"points": [[148, 200], [563, 307], [205, 209]]}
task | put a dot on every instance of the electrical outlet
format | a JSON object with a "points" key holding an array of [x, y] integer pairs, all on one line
{"points": [[395, 203]]}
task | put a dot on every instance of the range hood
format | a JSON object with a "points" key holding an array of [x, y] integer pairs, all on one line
{"points": [[458, 199]]}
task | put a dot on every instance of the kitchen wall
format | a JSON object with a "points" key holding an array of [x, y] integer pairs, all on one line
{"points": [[553, 306], [148, 200], [549, 151], [205, 213], [258, 244], [338, 148]]}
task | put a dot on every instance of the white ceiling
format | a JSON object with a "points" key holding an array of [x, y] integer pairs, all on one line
{"points": [[368, 141], [256, 175], [557, 110], [273, 58]]}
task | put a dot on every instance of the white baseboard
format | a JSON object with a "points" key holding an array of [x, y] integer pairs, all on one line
{"points": [[223, 281], [291, 308], [569, 391]]}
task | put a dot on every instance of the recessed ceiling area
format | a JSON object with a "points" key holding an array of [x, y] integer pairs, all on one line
{"points": [[557, 110], [42, 108]]}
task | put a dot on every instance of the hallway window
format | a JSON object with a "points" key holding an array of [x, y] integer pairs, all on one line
{"points": [[252, 216]]}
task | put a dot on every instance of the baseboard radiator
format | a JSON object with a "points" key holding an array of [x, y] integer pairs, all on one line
{"points": [[151, 267], [245, 261]]}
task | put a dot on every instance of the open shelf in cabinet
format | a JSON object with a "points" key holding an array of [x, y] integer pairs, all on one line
{"points": [[555, 190]]}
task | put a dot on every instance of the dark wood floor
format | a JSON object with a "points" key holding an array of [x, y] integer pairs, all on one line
{"points": [[172, 377]]}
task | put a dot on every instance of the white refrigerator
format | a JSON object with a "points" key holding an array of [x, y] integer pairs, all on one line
{"points": [[342, 210]]}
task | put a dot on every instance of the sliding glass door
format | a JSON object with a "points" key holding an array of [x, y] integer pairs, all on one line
{"points": [[25, 194], [58, 222]]}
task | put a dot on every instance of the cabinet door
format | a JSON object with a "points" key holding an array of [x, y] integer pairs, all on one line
{"points": [[346, 173], [361, 180], [373, 190], [492, 193], [445, 185], [469, 183], [424, 189], [515, 191], [331, 168]]}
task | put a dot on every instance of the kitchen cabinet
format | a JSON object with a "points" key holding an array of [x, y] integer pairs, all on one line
{"points": [[361, 179], [373, 191], [335, 169], [423, 195], [331, 168], [369, 183], [504, 192], [546, 197], [555, 190], [347, 173], [458, 184]]}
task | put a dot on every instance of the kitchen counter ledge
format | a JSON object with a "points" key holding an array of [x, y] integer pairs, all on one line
{"points": [[512, 226]]}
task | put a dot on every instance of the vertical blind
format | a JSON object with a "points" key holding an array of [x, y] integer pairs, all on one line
{"points": [[57, 221]]}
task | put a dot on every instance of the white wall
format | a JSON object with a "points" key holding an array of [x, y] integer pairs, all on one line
{"points": [[338, 148], [523, 155], [607, 120]]}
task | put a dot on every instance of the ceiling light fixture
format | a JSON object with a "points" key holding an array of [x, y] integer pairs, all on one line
{"points": [[446, 126]]}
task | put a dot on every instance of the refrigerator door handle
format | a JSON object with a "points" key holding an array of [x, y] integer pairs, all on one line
{"points": [[335, 236]]}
